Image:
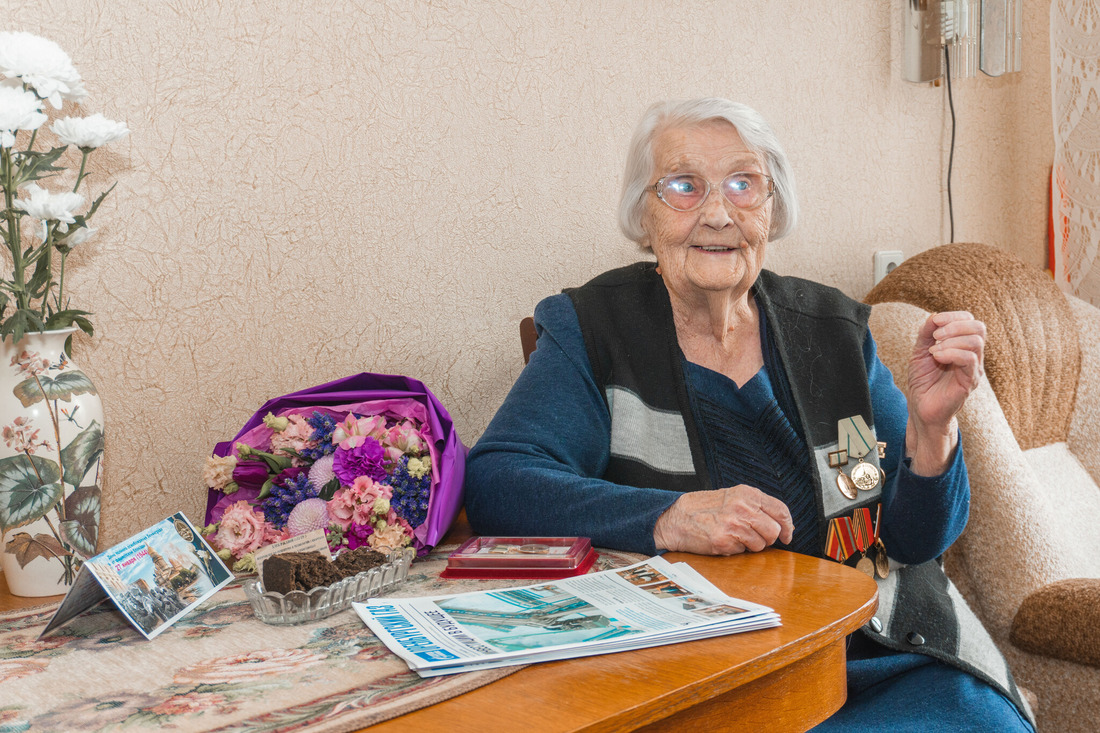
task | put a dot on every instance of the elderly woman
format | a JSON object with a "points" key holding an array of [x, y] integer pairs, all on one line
{"points": [[704, 404]]}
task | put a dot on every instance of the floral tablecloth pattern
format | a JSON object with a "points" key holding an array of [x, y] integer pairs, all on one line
{"points": [[220, 669]]}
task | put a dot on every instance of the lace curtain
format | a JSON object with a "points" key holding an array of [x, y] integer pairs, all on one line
{"points": [[1075, 181]]}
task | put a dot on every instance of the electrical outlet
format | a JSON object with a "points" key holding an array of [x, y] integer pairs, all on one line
{"points": [[885, 262]]}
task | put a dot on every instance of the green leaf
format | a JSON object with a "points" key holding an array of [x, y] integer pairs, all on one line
{"points": [[26, 493], [98, 201], [40, 280], [79, 455], [81, 526], [69, 317], [36, 165], [21, 322], [329, 489], [63, 388], [26, 548]]}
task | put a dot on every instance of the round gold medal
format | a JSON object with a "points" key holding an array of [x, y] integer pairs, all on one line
{"points": [[845, 485], [866, 567], [865, 476]]}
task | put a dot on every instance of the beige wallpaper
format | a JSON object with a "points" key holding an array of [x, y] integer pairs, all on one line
{"points": [[316, 189]]}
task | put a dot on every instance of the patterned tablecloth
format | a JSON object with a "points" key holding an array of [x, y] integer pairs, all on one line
{"points": [[220, 669]]}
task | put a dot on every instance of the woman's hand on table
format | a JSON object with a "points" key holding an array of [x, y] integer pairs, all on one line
{"points": [[946, 366], [723, 522]]}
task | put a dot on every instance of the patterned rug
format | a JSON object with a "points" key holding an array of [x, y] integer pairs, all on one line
{"points": [[220, 669]]}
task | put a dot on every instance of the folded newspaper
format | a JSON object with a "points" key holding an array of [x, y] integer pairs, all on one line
{"points": [[650, 603]]}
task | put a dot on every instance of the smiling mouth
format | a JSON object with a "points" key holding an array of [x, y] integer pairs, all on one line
{"points": [[714, 248]]}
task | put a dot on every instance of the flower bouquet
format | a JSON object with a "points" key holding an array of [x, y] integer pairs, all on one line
{"points": [[371, 459]]}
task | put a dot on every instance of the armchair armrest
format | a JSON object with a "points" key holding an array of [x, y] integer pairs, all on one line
{"points": [[1061, 620]]}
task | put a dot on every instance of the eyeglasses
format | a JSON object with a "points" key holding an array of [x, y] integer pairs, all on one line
{"points": [[688, 191]]}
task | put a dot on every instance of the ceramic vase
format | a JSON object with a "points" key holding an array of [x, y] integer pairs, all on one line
{"points": [[51, 447]]}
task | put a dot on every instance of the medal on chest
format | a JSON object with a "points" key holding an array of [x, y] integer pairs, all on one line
{"points": [[859, 533], [855, 441]]}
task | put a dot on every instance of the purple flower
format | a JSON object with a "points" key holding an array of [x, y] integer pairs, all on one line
{"points": [[250, 474], [364, 459], [288, 475], [358, 534]]}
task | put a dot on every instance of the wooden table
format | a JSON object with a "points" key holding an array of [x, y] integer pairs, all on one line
{"points": [[783, 679]]}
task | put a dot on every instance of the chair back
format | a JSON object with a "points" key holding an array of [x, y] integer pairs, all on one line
{"points": [[527, 337]]}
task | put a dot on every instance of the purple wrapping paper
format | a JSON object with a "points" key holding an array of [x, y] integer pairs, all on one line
{"points": [[387, 394]]}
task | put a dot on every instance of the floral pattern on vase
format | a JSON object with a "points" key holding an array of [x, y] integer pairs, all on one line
{"points": [[51, 447]]}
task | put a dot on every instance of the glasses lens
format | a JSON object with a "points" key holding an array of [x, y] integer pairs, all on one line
{"points": [[683, 192], [746, 190]]}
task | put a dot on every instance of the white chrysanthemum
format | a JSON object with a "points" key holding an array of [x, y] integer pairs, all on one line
{"points": [[307, 516], [42, 65], [320, 473], [19, 110], [79, 236], [89, 132], [59, 207]]}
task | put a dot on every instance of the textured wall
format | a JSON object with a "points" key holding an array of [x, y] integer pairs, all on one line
{"points": [[254, 244]]}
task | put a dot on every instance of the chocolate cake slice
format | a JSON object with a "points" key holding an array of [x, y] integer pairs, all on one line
{"points": [[359, 560], [308, 570], [298, 571]]}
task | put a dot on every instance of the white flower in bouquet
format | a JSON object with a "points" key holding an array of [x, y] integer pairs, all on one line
{"points": [[39, 63], [19, 110], [88, 133], [59, 207]]}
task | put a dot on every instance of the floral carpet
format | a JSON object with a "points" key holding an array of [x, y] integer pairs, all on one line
{"points": [[220, 669]]}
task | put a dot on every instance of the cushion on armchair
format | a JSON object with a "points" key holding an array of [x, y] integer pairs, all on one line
{"points": [[1061, 620]]}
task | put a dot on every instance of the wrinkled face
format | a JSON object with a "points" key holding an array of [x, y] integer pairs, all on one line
{"points": [[717, 246]]}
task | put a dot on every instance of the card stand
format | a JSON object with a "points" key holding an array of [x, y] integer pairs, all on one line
{"points": [[299, 607]]}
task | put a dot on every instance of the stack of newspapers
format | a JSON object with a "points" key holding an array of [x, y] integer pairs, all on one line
{"points": [[650, 603]]}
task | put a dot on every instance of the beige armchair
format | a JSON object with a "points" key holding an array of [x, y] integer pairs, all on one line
{"points": [[1031, 435]]}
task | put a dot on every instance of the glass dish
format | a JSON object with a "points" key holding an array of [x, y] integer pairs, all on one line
{"points": [[299, 607]]}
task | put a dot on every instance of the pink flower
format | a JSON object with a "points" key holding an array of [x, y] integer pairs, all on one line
{"points": [[366, 490], [401, 439], [357, 502], [242, 530], [363, 514], [351, 433], [296, 436], [394, 519], [272, 534], [30, 363], [341, 507], [389, 537], [22, 438]]}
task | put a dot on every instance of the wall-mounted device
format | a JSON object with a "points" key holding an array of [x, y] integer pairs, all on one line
{"points": [[979, 34]]}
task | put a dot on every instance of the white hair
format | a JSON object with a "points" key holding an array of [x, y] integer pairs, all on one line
{"points": [[755, 133]]}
